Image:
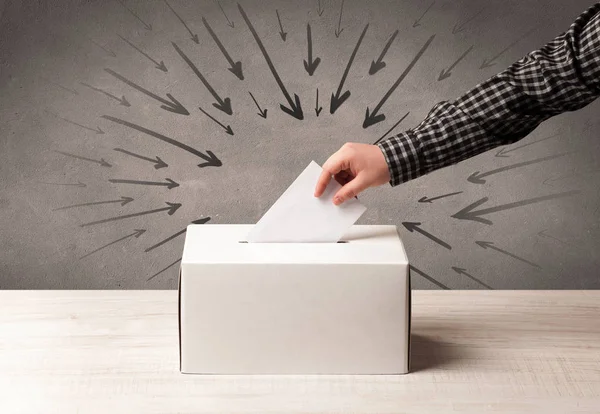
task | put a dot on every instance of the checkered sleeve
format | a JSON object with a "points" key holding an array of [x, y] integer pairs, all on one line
{"points": [[564, 75]]}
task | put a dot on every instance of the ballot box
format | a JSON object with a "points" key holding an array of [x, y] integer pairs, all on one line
{"points": [[294, 308]]}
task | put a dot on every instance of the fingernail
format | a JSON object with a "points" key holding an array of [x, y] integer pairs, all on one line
{"points": [[337, 200]]}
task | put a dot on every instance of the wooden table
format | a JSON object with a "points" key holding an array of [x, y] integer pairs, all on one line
{"points": [[473, 351]]}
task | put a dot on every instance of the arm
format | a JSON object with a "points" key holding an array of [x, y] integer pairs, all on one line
{"points": [[562, 76]]}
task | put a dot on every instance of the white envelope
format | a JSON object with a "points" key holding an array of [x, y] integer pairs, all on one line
{"points": [[300, 217]]}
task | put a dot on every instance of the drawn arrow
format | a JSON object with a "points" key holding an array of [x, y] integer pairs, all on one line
{"points": [[337, 100], [503, 151], [261, 112], [446, 73], [98, 131], [121, 100], [79, 184], [467, 213], [477, 177], [158, 163], [376, 66], [426, 276], [229, 23], [170, 209], [460, 27], [575, 174], [462, 271], [107, 50], [194, 37], [179, 233], [417, 22], [429, 200], [413, 226], [222, 104], [391, 129], [146, 26], [236, 67], [339, 31], [319, 9], [281, 32], [102, 162], [490, 62], [295, 109], [58, 85], [311, 65], [211, 159], [226, 128], [373, 118], [137, 233], [171, 106], [162, 270], [160, 66], [548, 236], [122, 201], [486, 244], [169, 183], [318, 108]]}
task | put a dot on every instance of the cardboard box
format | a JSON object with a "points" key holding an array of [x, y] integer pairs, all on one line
{"points": [[294, 308]]}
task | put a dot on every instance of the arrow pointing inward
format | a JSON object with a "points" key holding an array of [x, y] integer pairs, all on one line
{"points": [[416, 23], [376, 66], [194, 37], [446, 73], [426, 276], [160, 66], [121, 100], [429, 200], [169, 183], [158, 163], [412, 226], [179, 233], [98, 131], [339, 31], [122, 201], [146, 26], [235, 67], [281, 32], [171, 209], [261, 112], [490, 245], [311, 65], [391, 129], [461, 271], [137, 233], [229, 23], [226, 128]]}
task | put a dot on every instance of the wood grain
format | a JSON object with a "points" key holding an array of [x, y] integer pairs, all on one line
{"points": [[473, 352]]}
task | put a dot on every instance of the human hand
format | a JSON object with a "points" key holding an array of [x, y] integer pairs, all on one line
{"points": [[356, 167]]}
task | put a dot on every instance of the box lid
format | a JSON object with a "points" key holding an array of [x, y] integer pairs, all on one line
{"points": [[225, 244]]}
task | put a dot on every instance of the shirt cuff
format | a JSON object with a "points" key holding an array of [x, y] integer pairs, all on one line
{"points": [[402, 157]]}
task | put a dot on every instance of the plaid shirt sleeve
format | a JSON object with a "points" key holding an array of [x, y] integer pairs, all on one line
{"points": [[564, 75]]}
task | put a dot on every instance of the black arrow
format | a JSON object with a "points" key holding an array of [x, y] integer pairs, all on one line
{"points": [[170, 209], [211, 159], [79, 184], [73, 91], [319, 9], [107, 50], [146, 26], [171, 106], [194, 37], [236, 67], [222, 104], [122, 201], [446, 73], [98, 131], [460, 27], [503, 151], [261, 112], [318, 108], [295, 109], [311, 65], [229, 23], [486, 244], [339, 31], [467, 213], [158, 163], [137, 233], [429, 200], [226, 128], [162, 270], [281, 32], [121, 100], [373, 118], [490, 62], [412, 226], [477, 177], [391, 129], [337, 100], [462, 271], [376, 66], [169, 183], [102, 162], [426, 276], [416, 23], [179, 233], [160, 66]]}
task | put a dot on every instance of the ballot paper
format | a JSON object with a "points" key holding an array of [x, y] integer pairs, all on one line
{"points": [[300, 217]]}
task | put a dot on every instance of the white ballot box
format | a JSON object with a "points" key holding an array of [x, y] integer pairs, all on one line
{"points": [[294, 308]]}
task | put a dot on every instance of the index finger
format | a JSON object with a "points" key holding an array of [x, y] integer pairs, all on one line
{"points": [[332, 166]]}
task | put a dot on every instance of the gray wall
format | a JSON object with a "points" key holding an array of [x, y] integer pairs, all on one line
{"points": [[48, 48]]}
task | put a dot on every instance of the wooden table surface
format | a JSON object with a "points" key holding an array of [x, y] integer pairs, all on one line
{"points": [[472, 351]]}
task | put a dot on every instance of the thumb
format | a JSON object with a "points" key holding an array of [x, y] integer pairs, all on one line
{"points": [[350, 190]]}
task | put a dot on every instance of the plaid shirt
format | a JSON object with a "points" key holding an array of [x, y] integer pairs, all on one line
{"points": [[562, 76]]}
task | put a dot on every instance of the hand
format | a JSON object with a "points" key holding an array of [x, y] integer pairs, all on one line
{"points": [[356, 167]]}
